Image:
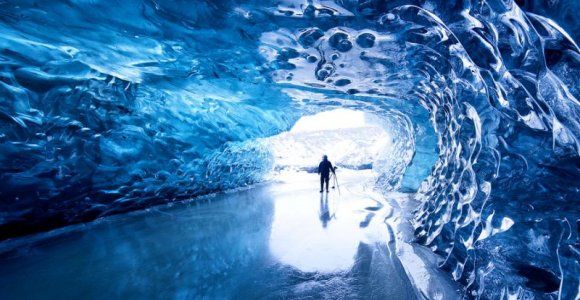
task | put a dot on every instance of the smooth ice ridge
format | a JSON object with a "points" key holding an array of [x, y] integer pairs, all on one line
{"points": [[148, 102]]}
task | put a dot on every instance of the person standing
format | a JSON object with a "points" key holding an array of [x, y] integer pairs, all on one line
{"points": [[324, 169]]}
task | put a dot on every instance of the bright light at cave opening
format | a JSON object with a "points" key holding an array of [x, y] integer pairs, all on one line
{"points": [[331, 120], [351, 139]]}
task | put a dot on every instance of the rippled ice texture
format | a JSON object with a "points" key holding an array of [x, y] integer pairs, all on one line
{"points": [[109, 106]]}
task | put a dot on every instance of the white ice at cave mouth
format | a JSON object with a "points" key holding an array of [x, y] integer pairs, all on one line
{"points": [[351, 139]]}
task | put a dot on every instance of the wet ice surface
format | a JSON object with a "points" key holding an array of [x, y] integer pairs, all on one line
{"points": [[276, 240]]}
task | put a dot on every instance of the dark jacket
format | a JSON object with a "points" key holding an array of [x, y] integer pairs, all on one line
{"points": [[325, 167]]}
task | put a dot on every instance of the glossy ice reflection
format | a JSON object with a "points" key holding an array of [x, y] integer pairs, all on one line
{"points": [[320, 232], [279, 240]]}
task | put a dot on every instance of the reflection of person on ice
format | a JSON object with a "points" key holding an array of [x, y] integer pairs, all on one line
{"points": [[325, 215], [324, 169]]}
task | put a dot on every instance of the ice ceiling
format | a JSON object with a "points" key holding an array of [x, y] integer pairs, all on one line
{"points": [[144, 102]]}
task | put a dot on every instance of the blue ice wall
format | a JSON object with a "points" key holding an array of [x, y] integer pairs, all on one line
{"points": [[137, 103], [125, 107], [564, 13]]}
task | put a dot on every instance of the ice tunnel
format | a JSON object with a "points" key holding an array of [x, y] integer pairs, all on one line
{"points": [[109, 107]]}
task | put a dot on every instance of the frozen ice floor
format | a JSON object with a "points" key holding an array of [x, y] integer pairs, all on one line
{"points": [[280, 240]]}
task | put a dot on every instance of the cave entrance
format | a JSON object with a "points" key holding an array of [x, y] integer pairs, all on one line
{"points": [[352, 139]]}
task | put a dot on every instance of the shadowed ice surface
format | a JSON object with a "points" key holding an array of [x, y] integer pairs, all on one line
{"points": [[274, 241]]}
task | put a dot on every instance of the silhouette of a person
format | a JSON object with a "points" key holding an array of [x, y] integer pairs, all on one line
{"points": [[324, 169]]}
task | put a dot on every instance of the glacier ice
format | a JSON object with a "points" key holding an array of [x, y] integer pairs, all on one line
{"points": [[146, 102]]}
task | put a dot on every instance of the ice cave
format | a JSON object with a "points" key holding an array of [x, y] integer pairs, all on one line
{"points": [[170, 149]]}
